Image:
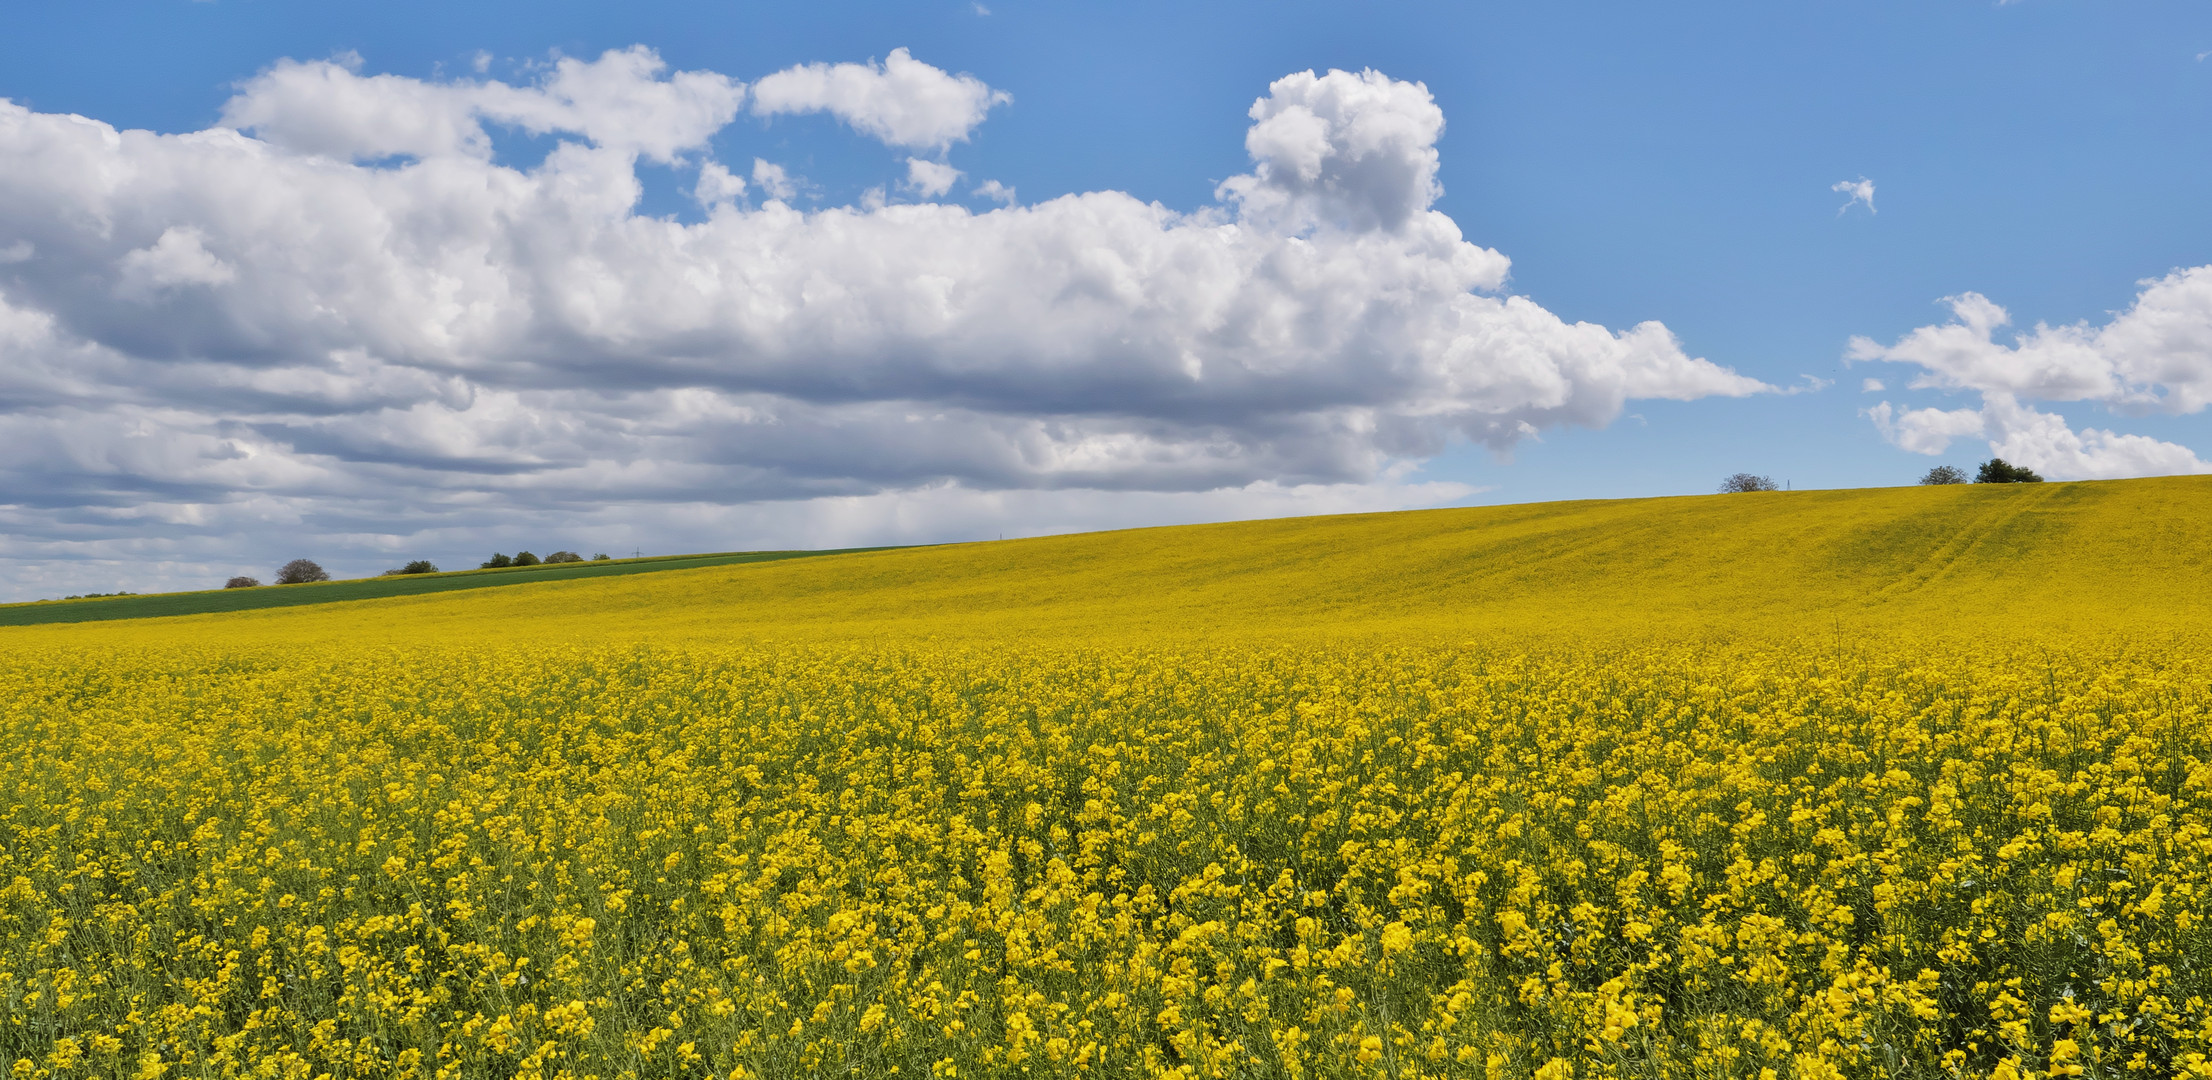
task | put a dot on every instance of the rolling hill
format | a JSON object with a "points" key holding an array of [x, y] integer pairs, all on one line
{"points": [[2032, 559], [1804, 784]]}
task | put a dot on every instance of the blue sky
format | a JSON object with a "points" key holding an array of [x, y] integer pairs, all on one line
{"points": [[1635, 163]]}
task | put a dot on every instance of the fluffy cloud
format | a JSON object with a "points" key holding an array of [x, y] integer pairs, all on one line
{"points": [[2155, 357], [902, 101], [2044, 442], [773, 180], [619, 101], [352, 322], [180, 257], [929, 179], [717, 184], [1356, 151], [1925, 431]]}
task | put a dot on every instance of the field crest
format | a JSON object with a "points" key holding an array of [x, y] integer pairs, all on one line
{"points": [[2060, 559]]}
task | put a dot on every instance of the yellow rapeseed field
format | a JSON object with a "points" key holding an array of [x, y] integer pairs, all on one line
{"points": [[1826, 788]]}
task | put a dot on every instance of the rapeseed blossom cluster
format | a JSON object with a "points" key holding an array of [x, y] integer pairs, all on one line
{"points": [[924, 861]]}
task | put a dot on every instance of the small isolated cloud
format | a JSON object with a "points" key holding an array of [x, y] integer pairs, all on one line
{"points": [[2155, 357], [980, 9], [717, 184], [1861, 192], [929, 179], [1813, 384], [1871, 386], [995, 191], [773, 180], [902, 101]]}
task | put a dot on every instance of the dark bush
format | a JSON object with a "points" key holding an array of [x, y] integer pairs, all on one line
{"points": [[419, 566], [300, 572], [524, 558], [1945, 474], [496, 561], [601, 557], [1744, 481], [1999, 471], [563, 556], [242, 582]]}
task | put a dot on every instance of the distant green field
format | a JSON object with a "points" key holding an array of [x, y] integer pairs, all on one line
{"points": [[99, 609]]}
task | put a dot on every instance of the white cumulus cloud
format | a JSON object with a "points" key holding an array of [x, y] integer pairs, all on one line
{"points": [[1925, 431], [179, 257], [1357, 151], [902, 101], [717, 184], [623, 100], [356, 327], [2155, 357], [930, 179], [773, 179], [2044, 442]]}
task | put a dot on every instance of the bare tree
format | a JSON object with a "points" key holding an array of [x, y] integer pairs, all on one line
{"points": [[1744, 481], [300, 572], [1945, 474]]}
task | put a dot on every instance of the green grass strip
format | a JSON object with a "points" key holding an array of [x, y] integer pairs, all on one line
{"points": [[329, 592]]}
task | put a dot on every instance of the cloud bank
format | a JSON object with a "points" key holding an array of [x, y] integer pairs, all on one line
{"points": [[340, 319], [2153, 358]]}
